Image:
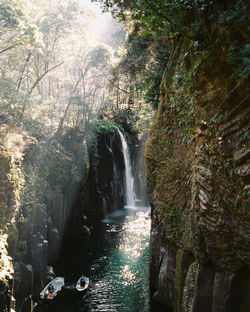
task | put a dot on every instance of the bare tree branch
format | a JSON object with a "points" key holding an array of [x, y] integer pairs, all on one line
{"points": [[8, 48], [22, 71], [111, 82], [41, 77]]}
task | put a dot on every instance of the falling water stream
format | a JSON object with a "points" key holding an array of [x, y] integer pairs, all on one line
{"points": [[129, 181], [116, 262]]}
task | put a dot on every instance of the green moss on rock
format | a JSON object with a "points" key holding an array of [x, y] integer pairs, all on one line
{"points": [[106, 126]]}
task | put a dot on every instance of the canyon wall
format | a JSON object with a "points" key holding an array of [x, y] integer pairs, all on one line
{"points": [[53, 193], [199, 171], [39, 183], [102, 192]]}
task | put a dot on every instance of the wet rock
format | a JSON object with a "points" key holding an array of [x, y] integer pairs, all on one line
{"points": [[242, 155], [85, 219], [12, 238], [189, 288], [86, 230], [156, 253], [22, 227], [221, 291], [39, 255], [103, 191], [54, 243], [50, 274], [22, 251], [23, 280], [204, 289], [39, 219], [167, 277]]}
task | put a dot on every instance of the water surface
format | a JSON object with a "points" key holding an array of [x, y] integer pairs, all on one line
{"points": [[117, 263]]}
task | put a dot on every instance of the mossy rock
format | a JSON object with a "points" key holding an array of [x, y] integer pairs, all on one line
{"points": [[106, 126]]}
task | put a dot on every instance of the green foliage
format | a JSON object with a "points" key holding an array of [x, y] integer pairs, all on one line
{"points": [[48, 70], [157, 16], [8, 94], [182, 100], [35, 128], [11, 101], [105, 126], [246, 136], [17, 27], [99, 127], [235, 19], [218, 117], [239, 55], [192, 19], [18, 39], [171, 216], [9, 15], [235, 13], [124, 117], [99, 56], [137, 77]]}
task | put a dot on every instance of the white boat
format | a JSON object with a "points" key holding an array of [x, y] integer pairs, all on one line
{"points": [[52, 289], [78, 284]]}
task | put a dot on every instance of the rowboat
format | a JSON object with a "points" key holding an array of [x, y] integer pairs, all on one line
{"points": [[52, 289], [80, 287]]}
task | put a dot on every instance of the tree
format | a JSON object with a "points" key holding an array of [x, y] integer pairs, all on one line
{"points": [[18, 39], [50, 73], [88, 96]]}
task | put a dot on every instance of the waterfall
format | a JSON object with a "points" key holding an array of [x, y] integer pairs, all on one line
{"points": [[129, 181]]}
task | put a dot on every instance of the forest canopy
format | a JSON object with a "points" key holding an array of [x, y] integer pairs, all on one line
{"points": [[54, 69]]}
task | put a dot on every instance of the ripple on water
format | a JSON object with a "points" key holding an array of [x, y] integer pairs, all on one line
{"points": [[119, 268]]}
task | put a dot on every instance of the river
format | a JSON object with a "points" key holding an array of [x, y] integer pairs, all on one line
{"points": [[117, 263]]}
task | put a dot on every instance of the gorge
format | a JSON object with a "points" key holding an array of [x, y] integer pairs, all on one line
{"points": [[85, 117]]}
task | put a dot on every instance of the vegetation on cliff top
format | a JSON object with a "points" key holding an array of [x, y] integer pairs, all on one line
{"points": [[106, 126]]}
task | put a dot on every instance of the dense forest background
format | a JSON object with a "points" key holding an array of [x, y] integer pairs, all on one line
{"points": [[58, 62]]}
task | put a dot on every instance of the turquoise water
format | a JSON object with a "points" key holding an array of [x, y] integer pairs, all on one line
{"points": [[117, 263]]}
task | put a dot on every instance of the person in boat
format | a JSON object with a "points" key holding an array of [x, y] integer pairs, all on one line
{"points": [[83, 281], [51, 288]]}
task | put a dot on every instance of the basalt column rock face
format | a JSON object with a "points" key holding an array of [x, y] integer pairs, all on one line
{"points": [[110, 171], [39, 186], [54, 172], [103, 190], [198, 171], [12, 179]]}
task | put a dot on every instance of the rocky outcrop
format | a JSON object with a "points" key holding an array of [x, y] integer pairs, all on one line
{"points": [[39, 187], [102, 193], [109, 172], [12, 151], [49, 196], [198, 169], [55, 171]]}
